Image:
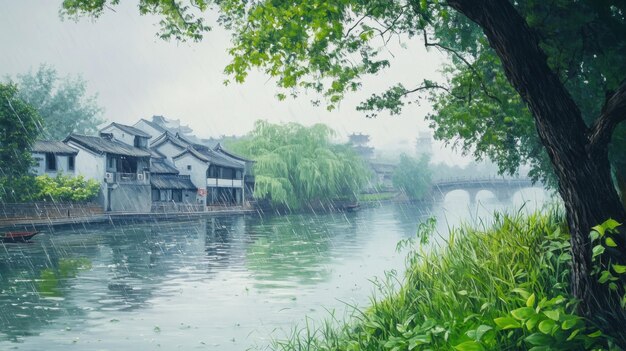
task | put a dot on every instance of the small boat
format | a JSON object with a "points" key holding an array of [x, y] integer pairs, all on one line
{"points": [[352, 207], [18, 237]]}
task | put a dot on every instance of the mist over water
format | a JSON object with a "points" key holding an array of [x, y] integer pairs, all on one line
{"points": [[217, 283]]}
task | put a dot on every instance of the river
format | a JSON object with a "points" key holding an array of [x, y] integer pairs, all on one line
{"points": [[219, 283]]}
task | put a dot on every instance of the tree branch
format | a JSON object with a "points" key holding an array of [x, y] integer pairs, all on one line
{"points": [[467, 63], [613, 112]]}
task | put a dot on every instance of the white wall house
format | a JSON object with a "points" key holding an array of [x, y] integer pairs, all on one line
{"points": [[122, 170], [127, 135], [195, 165], [151, 128], [168, 145], [53, 158]]}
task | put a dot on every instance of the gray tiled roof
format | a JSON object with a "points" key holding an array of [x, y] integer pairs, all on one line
{"points": [[103, 145], [170, 181], [153, 125], [57, 147], [193, 152], [220, 149], [162, 167], [130, 130], [217, 158], [168, 136]]}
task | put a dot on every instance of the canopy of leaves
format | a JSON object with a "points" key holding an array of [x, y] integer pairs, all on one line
{"points": [[413, 176], [61, 102], [19, 127], [297, 165]]}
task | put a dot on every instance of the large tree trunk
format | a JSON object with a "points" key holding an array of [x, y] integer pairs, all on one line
{"points": [[578, 154]]}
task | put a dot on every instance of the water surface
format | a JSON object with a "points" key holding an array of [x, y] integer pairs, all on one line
{"points": [[220, 283]]}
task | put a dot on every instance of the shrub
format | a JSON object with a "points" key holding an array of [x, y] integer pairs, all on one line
{"points": [[66, 188], [46, 188]]}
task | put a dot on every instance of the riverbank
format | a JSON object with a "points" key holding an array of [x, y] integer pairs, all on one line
{"points": [[502, 287], [112, 218]]}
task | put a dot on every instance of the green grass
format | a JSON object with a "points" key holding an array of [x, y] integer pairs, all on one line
{"points": [[499, 288], [376, 197]]}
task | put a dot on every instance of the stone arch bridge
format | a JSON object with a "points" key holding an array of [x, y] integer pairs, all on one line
{"points": [[502, 188]]}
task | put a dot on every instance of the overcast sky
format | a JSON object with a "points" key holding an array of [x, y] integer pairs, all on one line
{"points": [[138, 75]]}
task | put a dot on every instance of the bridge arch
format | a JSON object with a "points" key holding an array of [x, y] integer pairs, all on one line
{"points": [[503, 189]]}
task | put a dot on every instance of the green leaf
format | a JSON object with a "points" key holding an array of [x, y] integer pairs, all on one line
{"points": [[554, 315], [569, 323], [611, 224], [523, 313], [599, 229], [469, 346], [530, 302], [610, 242], [547, 326], [538, 339], [595, 334], [598, 250], [507, 323], [532, 322], [619, 269], [573, 335], [480, 331]]}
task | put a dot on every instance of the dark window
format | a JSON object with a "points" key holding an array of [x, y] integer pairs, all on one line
{"points": [[111, 163], [155, 195], [212, 172], [228, 173], [141, 142], [177, 195], [70, 163], [189, 167], [51, 162]]}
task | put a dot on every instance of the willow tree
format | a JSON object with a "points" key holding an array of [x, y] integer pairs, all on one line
{"points": [[327, 46], [298, 165]]}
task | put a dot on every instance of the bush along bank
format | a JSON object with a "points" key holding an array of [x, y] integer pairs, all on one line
{"points": [[45, 188], [504, 288]]}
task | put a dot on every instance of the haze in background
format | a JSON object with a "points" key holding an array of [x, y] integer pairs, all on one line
{"points": [[138, 75]]}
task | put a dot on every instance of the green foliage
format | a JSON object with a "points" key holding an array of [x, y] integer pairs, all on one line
{"points": [[18, 189], [297, 165], [61, 102], [412, 176], [377, 196], [605, 238], [66, 188], [499, 288], [46, 188], [19, 127]]}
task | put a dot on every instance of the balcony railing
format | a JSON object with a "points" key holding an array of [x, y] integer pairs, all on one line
{"points": [[224, 183], [126, 178]]}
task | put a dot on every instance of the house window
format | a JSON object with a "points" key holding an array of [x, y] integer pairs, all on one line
{"points": [[51, 162], [189, 167], [70, 163], [111, 163], [177, 195], [212, 172], [141, 142]]}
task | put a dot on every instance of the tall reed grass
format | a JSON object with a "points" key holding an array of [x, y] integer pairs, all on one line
{"points": [[504, 287]]}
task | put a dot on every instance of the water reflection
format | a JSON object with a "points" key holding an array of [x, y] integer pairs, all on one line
{"points": [[220, 283]]}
